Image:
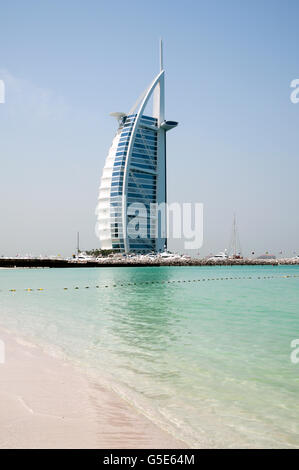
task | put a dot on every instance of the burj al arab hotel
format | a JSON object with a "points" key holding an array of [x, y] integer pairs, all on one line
{"points": [[134, 177]]}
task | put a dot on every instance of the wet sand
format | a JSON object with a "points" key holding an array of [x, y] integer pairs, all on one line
{"points": [[46, 402]]}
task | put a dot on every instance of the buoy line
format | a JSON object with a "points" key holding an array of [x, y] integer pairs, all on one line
{"points": [[142, 283]]}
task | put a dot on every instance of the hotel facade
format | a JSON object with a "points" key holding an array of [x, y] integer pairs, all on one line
{"points": [[133, 182]]}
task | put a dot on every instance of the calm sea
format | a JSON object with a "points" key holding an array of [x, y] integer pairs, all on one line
{"points": [[209, 360]]}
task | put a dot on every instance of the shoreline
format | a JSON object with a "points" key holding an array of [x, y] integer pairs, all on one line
{"points": [[10, 263], [48, 402]]}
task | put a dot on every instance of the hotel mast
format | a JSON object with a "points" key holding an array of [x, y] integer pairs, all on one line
{"points": [[134, 173]]}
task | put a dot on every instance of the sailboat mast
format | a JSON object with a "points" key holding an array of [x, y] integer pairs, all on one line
{"points": [[234, 237], [78, 243]]}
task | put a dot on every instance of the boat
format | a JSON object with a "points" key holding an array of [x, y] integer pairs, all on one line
{"points": [[167, 255], [82, 257], [221, 256]]}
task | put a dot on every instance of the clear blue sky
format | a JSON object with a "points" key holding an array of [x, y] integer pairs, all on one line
{"points": [[229, 64]]}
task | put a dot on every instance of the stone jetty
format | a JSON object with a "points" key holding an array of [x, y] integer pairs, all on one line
{"points": [[125, 262]]}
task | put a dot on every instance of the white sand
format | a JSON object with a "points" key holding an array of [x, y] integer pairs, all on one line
{"points": [[46, 402]]}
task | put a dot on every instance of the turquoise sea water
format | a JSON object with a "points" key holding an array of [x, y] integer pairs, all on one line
{"points": [[209, 360]]}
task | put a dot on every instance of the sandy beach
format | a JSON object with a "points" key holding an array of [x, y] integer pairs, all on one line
{"points": [[46, 402]]}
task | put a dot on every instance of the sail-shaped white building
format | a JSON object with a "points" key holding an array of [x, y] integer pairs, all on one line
{"points": [[134, 177]]}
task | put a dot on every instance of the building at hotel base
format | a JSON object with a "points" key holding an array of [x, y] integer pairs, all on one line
{"points": [[134, 178]]}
